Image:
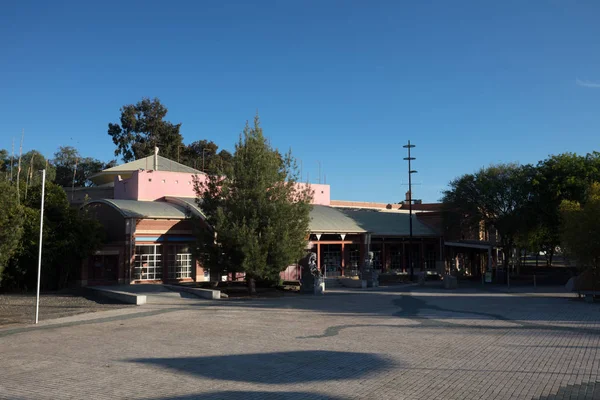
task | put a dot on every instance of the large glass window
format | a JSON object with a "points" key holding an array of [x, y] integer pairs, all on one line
{"points": [[396, 259], [331, 259], [180, 262], [430, 258], [147, 265], [353, 260], [377, 259]]}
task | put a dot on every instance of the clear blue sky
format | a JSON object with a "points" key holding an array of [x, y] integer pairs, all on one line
{"points": [[343, 82]]}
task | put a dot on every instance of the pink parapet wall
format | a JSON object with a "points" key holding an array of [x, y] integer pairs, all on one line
{"points": [[321, 193], [154, 185]]}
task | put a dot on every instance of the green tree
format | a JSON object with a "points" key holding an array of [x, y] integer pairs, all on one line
{"points": [[11, 223], [580, 233], [4, 164], [142, 128], [69, 237], [497, 196], [259, 213], [561, 177], [32, 163], [204, 155], [67, 160]]}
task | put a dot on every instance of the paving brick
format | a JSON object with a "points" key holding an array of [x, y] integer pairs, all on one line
{"points": [[388, 343]]}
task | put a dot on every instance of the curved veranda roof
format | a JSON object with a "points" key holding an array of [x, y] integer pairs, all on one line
{"points": [[323, 219], [151, 209]]}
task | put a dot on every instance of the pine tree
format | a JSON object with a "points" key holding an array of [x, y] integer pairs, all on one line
{"points": [[259, 213]]}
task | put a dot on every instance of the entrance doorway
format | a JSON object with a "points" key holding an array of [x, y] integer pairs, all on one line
{"points": [[105, 268], [331, 260]]}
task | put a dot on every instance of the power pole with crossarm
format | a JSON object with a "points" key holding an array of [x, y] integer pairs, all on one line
{"points": [[410, 237]]}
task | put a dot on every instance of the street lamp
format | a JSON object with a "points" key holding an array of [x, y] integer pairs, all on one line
{"points": [[37, 298], [410, 237]]}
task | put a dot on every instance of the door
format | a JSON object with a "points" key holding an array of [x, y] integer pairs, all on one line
{"points": [[111, 268], [105, 268]]}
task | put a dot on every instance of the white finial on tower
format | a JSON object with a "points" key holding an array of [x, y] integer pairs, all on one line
{"points": [[155, 158]]}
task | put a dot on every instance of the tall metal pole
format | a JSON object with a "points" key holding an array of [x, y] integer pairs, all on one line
{"points": [[37, 300], [319, 162], [410, 237]]}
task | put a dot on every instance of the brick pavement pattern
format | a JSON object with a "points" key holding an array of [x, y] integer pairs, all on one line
{"points": [[387, 343]]}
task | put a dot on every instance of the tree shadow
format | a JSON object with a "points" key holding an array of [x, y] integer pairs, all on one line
{"points": [[431, 302], [455, 310], [279, 367], [584, 390], [249, 395]]}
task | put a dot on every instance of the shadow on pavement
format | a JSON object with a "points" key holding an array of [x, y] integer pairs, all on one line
{"points": [[277, 368], [247, 395], [432, 302], [584, 391]]}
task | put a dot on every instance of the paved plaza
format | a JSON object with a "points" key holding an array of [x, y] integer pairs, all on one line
{"points": [[403, 342]]}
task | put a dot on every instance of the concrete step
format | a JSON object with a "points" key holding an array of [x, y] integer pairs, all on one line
{"points": [[332, 283]]}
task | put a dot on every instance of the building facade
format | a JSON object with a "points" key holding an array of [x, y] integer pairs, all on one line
{"points": [[148, 206]]}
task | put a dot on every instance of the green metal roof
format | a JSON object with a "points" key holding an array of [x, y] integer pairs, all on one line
{"points": [[188, 202], [386, 223], [325, 219], [164, 164], [146, 209], [147, 163]]}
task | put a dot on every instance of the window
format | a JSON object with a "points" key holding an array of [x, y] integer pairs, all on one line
{"points": [[331, 259], [396, 259], [180, 262], [147, 264], [377, 259], [354, 258], [430, 259]]}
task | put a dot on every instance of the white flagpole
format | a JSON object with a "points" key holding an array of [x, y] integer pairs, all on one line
{"points": [[37, 300]]}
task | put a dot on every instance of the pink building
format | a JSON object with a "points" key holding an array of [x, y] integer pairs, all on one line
{"points": [[146, 206]]}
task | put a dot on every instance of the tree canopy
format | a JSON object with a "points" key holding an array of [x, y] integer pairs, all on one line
{"points": [[11, 223], [580, 228], [497, 196], [205, 156], [524, 203], [72, 168], [69, 236], [142, 128], [558, 178], [259, 213]]}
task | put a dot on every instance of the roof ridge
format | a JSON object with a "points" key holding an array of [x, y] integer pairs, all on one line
{"points": [[150, 165]]}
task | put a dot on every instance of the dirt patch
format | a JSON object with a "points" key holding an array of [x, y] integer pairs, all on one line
{"points": [[20, 308]]}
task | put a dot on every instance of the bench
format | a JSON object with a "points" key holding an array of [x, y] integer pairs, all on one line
{"points": [[199, 292], [124, 297]]}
